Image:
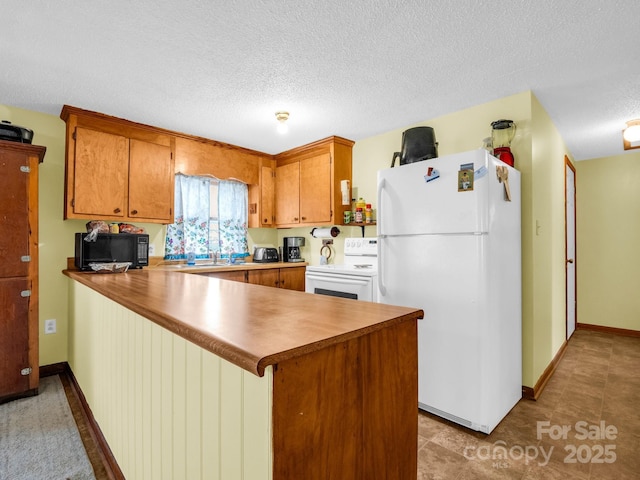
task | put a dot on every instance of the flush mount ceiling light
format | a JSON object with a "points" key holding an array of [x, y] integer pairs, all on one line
{"points": [[282, 118], [631, 135]]}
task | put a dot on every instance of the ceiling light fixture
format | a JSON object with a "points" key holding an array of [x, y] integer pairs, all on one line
{"points": [[282, 118], [631, 135]]}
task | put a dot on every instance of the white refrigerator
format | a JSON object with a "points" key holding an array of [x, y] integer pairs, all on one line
{"points": [[449, 243]]}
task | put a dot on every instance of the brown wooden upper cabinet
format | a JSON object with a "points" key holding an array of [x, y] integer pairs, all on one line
{"points": [[116, 169], [262, 197], [307, 183]]}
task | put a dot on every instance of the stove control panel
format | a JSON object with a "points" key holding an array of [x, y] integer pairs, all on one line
{"points": [[361, 246]]}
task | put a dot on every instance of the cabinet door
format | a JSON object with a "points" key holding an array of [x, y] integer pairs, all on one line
{"points": [[14, 336], [315, 189], [292, 278], [101, 166], [14, 212], [288, 197], [267, 197], [150, 181], [269, 277]]}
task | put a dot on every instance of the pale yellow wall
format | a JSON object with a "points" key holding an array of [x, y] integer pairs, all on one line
{"points": [[544, 316], [608, 218], [56, 234]]}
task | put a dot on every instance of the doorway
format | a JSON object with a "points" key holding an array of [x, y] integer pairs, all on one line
{"points": [[570, 245]]}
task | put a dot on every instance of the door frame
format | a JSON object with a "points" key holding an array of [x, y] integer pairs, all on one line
{"points": [[567, 163]]}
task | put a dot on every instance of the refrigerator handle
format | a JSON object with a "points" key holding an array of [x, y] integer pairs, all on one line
{"points": [[381, 287], [379, 214]]}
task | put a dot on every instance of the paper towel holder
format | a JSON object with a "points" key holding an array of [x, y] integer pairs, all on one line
{"points": [[330, 232]]}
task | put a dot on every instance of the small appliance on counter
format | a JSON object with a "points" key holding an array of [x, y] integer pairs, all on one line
{"points": [[265, 255], [14, 133], [291, 249], [111, 248]]}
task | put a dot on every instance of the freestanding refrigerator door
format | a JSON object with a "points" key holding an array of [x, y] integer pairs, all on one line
{"points": [[446, 286], [409, 204]]}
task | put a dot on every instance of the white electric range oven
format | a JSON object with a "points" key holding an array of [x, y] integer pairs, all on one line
{"points": [[356, 278]]}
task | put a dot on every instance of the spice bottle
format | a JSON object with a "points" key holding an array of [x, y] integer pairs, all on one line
{"points": [[358, 218], [368, 214]]}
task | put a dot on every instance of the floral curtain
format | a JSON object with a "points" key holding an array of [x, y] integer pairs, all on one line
{"points": [[190, 232], [232, 218]]}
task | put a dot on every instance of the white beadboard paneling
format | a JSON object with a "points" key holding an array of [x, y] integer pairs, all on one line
{"points": [[167, 408], [211, 416]]}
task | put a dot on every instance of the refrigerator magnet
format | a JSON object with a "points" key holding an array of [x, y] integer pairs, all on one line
{"points": [[502, 172], [465, 180], [479, 173], [431, 174]]}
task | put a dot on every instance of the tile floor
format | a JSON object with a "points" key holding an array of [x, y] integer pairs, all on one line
{"points": [[598, 380]]}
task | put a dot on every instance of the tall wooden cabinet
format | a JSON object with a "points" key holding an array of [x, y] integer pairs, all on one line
{"points": [[19, 374]]}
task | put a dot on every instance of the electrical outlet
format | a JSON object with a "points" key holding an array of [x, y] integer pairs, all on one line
{"points": [[50, 326], [152, 249]]}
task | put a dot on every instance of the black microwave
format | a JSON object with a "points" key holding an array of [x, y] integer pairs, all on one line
{"points": [[112, 247]]}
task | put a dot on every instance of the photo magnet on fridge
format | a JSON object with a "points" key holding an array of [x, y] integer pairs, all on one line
{"points": [[465, 180]]}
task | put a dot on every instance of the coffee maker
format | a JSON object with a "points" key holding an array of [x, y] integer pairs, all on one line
{"points": [[291, 249]]}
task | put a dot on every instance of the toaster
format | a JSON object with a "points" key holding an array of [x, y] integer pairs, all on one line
{"points": [[265, 255], [15, 133]]}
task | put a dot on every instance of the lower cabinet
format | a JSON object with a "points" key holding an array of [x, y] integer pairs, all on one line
{"points": [[236, 276], [291, 278], [268, 278]]}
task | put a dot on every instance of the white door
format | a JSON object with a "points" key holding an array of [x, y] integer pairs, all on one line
{"points": [[570, 239]]}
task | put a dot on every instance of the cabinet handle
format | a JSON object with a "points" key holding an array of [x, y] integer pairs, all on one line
{"points": [[134, 212], [304, 218], [295, 219], [265, 221], [116, 210]]}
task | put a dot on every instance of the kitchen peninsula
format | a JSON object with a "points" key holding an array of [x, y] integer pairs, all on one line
{"points": [[195, 377]]}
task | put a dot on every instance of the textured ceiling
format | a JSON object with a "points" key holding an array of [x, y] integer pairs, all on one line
{"points": [[354, 69]]}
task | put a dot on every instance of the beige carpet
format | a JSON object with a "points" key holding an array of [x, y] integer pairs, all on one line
{"points": [[39, 439]]}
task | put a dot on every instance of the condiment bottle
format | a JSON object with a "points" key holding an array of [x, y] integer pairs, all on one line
{"points": [[367, 214], [358, 215]]}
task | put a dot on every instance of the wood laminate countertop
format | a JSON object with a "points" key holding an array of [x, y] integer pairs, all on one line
{"points": [[252, 326]]}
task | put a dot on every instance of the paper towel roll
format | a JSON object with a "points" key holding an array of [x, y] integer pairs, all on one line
{"points": [[325, 232]]}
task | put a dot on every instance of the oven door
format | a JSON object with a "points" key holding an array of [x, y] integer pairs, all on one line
{"points": [[340, 285]]}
